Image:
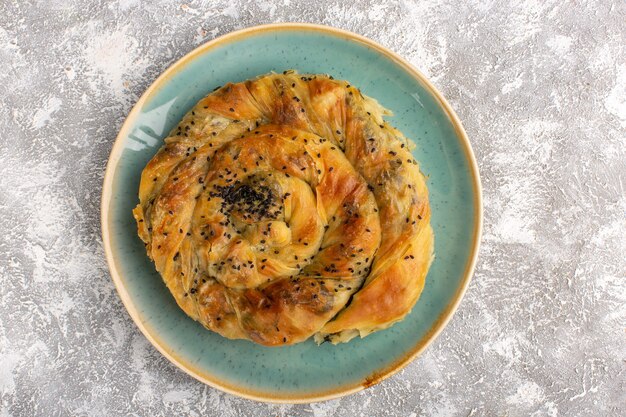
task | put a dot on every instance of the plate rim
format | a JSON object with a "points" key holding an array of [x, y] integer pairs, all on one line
{"points": [[439, 324]]}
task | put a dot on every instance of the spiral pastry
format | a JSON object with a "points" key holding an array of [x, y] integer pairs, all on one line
{"points": [[284, 207]]}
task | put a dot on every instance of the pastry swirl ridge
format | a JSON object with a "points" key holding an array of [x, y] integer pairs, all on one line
{"points": [[285, 207]]}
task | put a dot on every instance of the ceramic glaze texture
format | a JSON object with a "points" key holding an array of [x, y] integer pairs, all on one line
{"points": [[303, 371], [540, 89]]}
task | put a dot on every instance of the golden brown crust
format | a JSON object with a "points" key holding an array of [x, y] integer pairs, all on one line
{"points": [[285, 207]]}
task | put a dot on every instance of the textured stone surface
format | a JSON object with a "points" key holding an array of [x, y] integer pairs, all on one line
{"points": [[541, 89]]}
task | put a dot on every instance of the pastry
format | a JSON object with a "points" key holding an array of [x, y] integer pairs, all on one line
{"points": [[285, 207]]}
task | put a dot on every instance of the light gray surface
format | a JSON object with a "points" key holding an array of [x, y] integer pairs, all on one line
{"points": [[541, 89]]}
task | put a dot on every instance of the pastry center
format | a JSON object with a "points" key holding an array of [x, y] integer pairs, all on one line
{"points": [[250, 203]]}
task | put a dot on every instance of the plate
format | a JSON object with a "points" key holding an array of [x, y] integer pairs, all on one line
{"points": [[304, 372]]}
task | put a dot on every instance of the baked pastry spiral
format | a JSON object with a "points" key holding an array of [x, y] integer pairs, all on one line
{"points": [[285, 207]]}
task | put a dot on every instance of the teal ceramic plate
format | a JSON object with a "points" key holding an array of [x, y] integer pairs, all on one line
{"points": [[304, 372]]}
